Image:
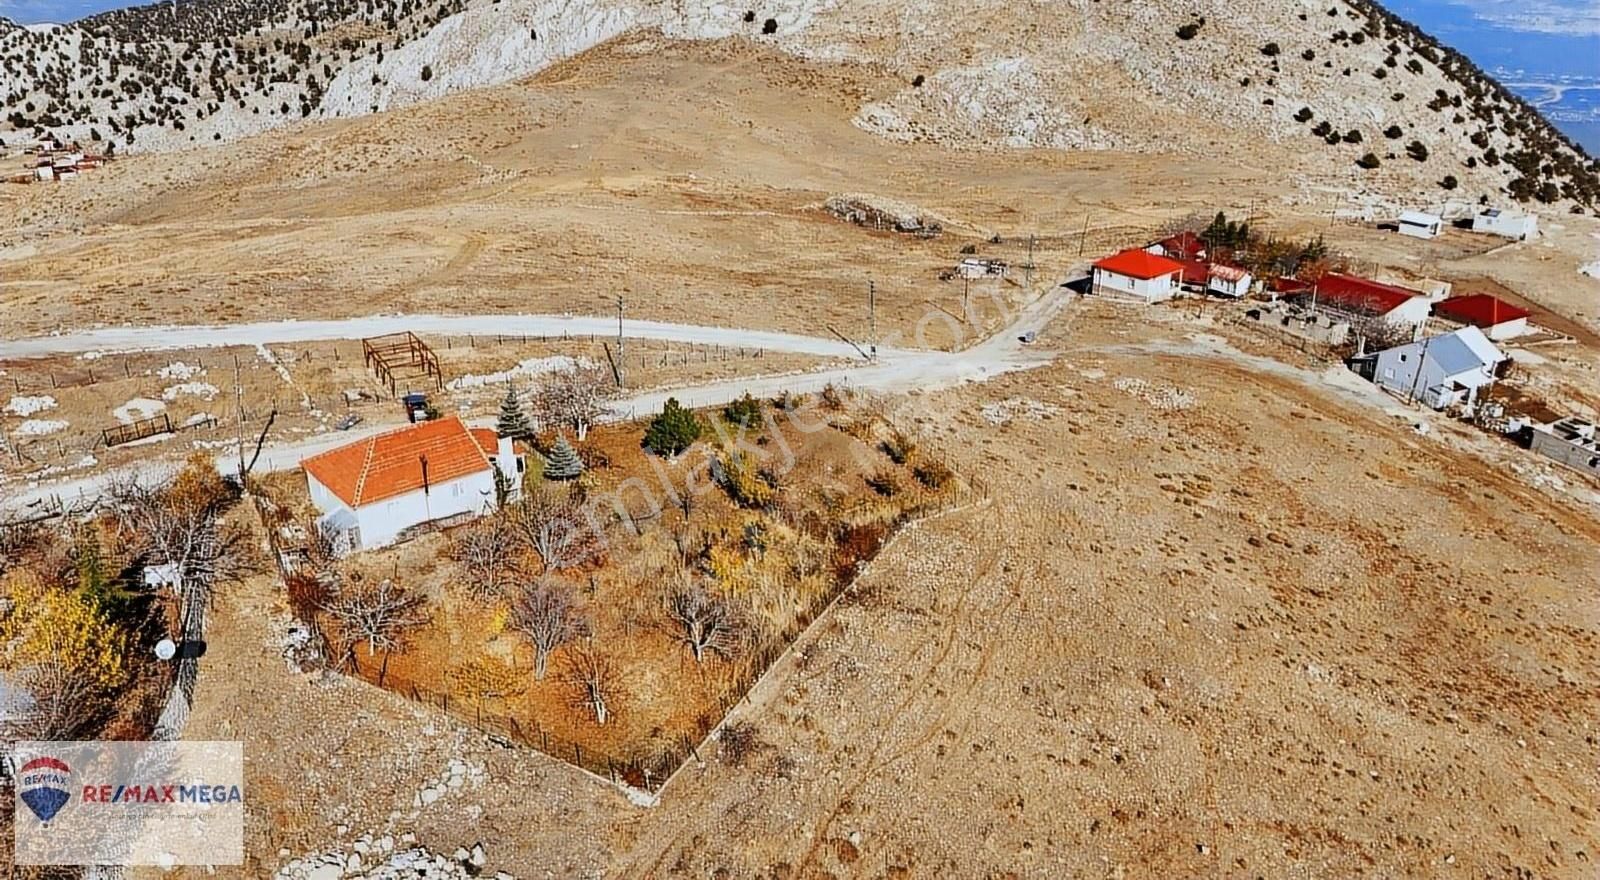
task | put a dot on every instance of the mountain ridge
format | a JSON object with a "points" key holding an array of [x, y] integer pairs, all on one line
{"points": [[1347, 88]]}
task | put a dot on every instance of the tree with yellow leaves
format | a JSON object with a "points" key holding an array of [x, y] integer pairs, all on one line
{"points": [[67, 659]]}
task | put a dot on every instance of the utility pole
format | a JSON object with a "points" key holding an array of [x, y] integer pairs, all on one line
{"points": [[1084, 235], [622, 356], [1029, 267], [872, 315]]}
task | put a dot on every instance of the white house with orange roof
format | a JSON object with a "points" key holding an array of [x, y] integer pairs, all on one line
{"points": [[371, 491]]}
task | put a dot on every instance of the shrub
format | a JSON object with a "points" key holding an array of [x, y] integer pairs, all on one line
{"points": [[1417, 151], [1322, 129], [832, 397], [1353, 136], [427, 72], [1393, 132], [932, 473], [744, 412], [673, 430], [885, 482], [738, 473], [900, 447], [1449, 182], [1303, 115], [1188, 31], [1270, 50], [1369, 161], [770, 26]]}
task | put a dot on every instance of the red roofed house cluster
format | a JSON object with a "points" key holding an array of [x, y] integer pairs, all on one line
{"points": [[371, 491]]}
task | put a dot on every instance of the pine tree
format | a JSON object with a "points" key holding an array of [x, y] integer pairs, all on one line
{"points": [[673, 431], [513, 421], [564, 462]]}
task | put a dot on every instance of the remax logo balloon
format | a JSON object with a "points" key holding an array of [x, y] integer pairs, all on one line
{"points": [[44, 785]]}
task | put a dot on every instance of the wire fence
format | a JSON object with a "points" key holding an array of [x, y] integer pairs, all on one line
{"points": [[647, 768]]}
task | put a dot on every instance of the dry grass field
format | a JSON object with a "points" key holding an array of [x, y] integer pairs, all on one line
{"points": [[1222, 618], [1216, 622]]}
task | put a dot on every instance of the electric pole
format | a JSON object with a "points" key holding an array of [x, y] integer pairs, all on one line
{"points": [[622, 357], [872, 315]]}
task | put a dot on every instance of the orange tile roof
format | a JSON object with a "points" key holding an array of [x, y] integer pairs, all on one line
{"points": [[1136, 263], [390, 464]]}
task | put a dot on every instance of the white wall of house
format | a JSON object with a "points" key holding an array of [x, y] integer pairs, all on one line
{"points": [[1507, 329], [1149, 290], [1229, 288], [383, 521], [1518, 226], [1413, 311], [1406, 371], [1421, 225]]}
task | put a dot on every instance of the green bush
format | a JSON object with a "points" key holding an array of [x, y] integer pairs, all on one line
{"points": [[673, 431], [744, 412], [1369, 161]]}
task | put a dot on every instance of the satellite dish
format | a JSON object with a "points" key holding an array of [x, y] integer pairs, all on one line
{"points": [[166, 649]]}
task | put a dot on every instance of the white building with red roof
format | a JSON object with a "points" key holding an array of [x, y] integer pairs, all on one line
{"points": [[1498, 319], [1137, 273], [372, 491]]}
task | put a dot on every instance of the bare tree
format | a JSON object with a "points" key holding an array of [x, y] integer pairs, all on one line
{"points": [[551, 525], [380, 614], [51, 700], [573, 398], [488, 553], [594, 680], [547, 613], [704, 620]]}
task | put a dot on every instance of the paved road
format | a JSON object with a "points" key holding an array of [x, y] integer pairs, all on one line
{"points": [[896, 370]]}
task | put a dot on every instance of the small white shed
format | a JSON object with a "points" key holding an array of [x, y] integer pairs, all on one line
{"points": [[1420, 225], [1506, 224]]}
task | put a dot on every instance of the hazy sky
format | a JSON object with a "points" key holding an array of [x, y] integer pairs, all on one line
{"points": [[31, 11]]}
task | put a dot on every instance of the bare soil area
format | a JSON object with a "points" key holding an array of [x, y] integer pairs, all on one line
{"points": [[1217, 622], [1221, 619]]}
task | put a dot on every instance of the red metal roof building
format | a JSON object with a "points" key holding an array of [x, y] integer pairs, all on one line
{"points": [[1479, 310], [1498, 318], [1140, 264], [1183, 246], [1136, 273], [1363, 295]]}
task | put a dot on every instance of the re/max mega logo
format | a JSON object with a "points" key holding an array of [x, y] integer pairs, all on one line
{"points": [[161, 794]]}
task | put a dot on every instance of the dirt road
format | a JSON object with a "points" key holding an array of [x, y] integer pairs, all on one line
{"points": [[896, 370]]}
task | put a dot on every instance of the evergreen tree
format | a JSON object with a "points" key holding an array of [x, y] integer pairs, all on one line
{"points": [[564, 462], [673, 431], [513, 421]]}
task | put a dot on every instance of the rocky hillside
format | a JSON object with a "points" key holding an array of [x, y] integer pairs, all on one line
{"points": [[1341, 84]]}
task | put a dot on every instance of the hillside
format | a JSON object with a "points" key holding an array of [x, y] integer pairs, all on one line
{"points": [[1353, 95]]}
